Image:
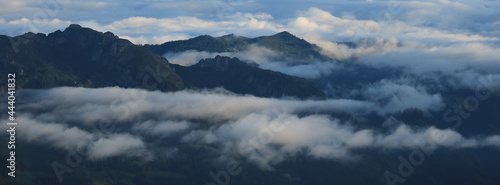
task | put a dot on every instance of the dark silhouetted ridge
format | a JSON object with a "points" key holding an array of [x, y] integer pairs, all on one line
{"points": [[242, 78], [84, 57]]}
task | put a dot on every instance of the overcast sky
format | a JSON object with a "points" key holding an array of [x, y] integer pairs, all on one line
{"points": [[157, 21]]}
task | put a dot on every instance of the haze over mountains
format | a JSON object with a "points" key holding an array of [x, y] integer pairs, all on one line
{"points": [[275, 107]]}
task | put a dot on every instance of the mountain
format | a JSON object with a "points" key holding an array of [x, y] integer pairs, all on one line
{"points": [[242, 78], [84, 57], [293, 46], [200, 43], [283, 42]]}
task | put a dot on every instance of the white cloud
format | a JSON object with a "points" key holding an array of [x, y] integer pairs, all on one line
{"points": [[342, 52], [409, 32], [316, 21], [104, 105], [266, 140], [143, 39], [60, 135], [163, 128], [135, 25], [263, 130], [24, 25], [90, 6], [76, 139], [312, 70], [253, 54], [458, 39], [451, 58], [115, 145], [191, 57], [394, 97]]}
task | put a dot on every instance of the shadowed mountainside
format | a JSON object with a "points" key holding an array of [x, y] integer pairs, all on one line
{"points": [[240, 77], [283, 42], [84, 57]]}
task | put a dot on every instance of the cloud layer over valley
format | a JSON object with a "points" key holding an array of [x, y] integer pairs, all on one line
{"points": [[113, 121]]}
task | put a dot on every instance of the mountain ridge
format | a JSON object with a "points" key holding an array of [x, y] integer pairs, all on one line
{"points": [[84, 57], [282, 42], [240, 77]]}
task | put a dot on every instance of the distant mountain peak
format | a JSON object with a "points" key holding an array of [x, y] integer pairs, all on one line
{"points": [[203, 37], [219, 63], [286, 36], [231, 35], [80, 56], [74, 26], [295, 48], [110, 34], [285, 33]]}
